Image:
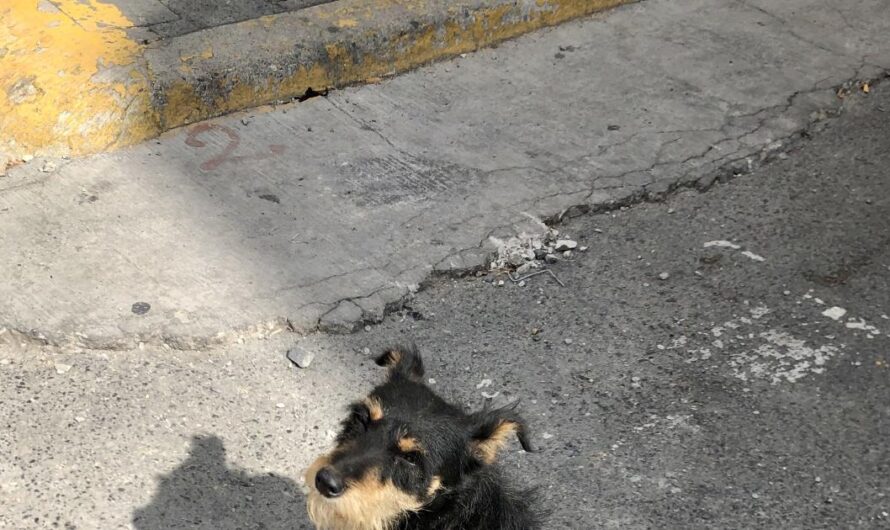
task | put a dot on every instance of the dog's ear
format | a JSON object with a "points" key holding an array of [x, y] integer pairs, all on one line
{"points": [[491, 430], [402, 361]]}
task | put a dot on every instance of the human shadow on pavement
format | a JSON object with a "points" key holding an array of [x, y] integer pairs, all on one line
{"points": [[205, 493]]}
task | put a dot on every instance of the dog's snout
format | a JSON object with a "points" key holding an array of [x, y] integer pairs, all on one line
{"points": [[329, 483]]}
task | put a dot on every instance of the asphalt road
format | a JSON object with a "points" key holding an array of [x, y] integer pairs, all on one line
{"points": [[729, 392]]}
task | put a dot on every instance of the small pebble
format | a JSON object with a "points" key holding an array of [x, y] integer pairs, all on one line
{"points": [[431, 381], [79, 419], [664, 276], [546, 436], [522, 283], [566, 244], [62, 368], [280, 405], [551, 258], [569, 341], [301, 356], [583, 249], [567, 253], [366, 351], [500, 283], [367, 328]]}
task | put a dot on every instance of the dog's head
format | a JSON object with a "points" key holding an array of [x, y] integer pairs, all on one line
{"points": [[400, 448]]}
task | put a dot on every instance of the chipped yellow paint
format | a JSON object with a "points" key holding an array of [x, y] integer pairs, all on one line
{"points": [[204, 55], [69, 78], [347, 23]]}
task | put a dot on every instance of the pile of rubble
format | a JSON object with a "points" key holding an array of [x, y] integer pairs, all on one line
{"points": [[526, 252]]}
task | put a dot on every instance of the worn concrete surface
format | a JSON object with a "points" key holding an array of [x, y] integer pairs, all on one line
{"points": [[721, 397], [326, 213]]}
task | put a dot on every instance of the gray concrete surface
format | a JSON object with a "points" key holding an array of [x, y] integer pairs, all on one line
{"points": [[325, 214], [720, 397], [160, 19]]}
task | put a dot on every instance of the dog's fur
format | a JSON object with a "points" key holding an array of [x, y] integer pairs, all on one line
{"points": [[405, 459]]}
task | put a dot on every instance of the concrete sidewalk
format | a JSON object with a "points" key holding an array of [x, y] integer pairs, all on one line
{"points": [[86, 76], [325, 214]]}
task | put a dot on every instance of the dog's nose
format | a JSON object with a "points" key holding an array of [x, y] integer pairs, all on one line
{"points": [[329, 483]]}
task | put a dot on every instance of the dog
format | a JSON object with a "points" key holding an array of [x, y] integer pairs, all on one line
{"points": [[406, 459]]}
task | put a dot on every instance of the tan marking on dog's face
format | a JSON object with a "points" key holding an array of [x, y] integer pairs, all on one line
{"points": [[434, 487], [367, 504], [409, 444], [375, 408], [487, 450]]}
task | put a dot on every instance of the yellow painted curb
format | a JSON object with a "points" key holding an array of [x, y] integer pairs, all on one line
{"points": [[69, 79], [72, 82]]}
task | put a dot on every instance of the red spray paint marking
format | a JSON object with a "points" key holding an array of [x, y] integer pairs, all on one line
{"points": [[226, 154]]}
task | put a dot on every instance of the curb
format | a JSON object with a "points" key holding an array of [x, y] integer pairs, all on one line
{"points": [[73, 82]]}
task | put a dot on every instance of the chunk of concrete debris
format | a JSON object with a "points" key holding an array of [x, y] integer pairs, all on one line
{"points": [[300, 356], [834, 313], [566, 244], [529, 249]]}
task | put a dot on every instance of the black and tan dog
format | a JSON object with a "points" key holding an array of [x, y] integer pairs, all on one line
{"points": [[406, 459]]}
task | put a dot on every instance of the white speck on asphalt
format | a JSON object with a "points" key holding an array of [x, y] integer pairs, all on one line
{"points": [[62, 368], [861, 324], [431, 381], [280, 405], [834, 313], [664, 276], [722, 243], [546, 436], [569, 341]]}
